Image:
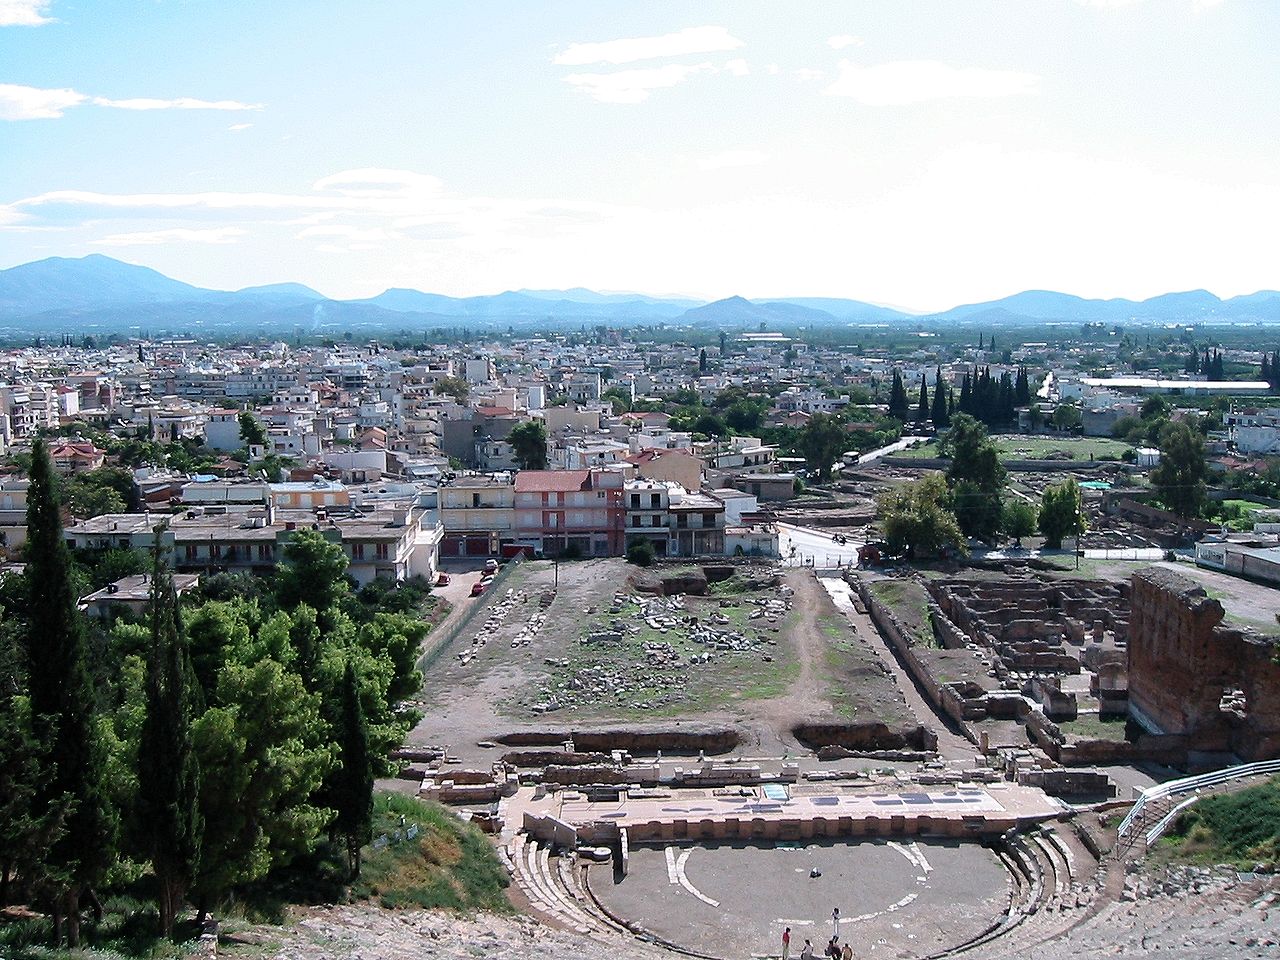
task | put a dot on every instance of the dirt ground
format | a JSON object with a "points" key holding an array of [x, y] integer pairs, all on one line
{"points": [[797, 665]]}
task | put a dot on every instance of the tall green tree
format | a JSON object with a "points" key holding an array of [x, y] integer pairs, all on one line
{"points": [[353, 794], [529, 442], [916, 520], [922, 408], [938, 414], [264, 737], [24, 833], [314, 572], [64, 712], [820, 442], [168, 771], [1061, 513], [1018, 520], [899, 406], [1179, 479], [976, 477], [252, 432]]}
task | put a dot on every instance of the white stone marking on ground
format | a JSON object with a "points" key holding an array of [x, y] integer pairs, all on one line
{"points": [[906, 852], [672, 876], [924, 864], [684, 880]]}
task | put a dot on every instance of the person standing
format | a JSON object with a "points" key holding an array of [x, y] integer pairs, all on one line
{"points": [[847, 952], [786, 944], [806, 952], [835, 922]]}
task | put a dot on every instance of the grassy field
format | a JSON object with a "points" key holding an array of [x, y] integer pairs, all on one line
{"points": [[1018, 447]]}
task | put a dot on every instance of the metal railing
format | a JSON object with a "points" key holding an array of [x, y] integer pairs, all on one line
{"points": [[1174, 788]]}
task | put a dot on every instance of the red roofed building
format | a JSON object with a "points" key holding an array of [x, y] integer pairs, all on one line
{"points": [[71, 458], [580, 511]]}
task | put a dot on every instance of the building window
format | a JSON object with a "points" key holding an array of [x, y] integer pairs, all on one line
{"points": [[635, 500], [682, 520], [655, 500], [357, 551], [380, 551], [708, 519], [635, 520]]}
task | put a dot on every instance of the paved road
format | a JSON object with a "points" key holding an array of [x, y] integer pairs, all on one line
{"points": [[805, 546], [892, 448]]}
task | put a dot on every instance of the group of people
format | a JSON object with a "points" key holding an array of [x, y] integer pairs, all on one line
{"points": [[833, 950]]}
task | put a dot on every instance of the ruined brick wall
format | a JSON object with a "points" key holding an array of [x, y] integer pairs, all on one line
{"points": [[1181, 660]]}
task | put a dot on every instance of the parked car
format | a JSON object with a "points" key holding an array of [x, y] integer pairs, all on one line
{"points": [[442, 580], [478, 588]]}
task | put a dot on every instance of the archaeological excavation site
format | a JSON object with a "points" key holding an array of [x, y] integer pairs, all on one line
{"points": [[967, 764]]}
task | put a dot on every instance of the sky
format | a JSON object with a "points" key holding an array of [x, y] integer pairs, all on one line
{"points": [[920, 154]]}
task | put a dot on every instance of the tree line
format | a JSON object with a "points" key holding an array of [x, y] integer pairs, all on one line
{"points": [[200, 748]]}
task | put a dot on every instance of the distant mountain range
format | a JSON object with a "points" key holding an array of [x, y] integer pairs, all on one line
{"points": [[97, 293]]}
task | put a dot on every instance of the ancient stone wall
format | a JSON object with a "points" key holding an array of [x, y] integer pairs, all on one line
{"points": [[1189, 675]]}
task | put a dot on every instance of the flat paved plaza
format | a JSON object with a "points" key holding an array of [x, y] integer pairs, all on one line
{"points": [[896, 898]]}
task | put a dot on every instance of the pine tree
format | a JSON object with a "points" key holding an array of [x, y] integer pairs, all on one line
{"points": [[168, 771], [965, 403], [63, 710], [353, 795], [1266, 369], [922, 410], [979, 342], [899, 406]]}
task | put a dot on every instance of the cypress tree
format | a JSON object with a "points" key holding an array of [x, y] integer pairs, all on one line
{"points": [[63, 710], [939, 412], [168, 771], [1022, 389], [922, 410], [965, 403], [1006, 404], [899, 406], [353, 794]]}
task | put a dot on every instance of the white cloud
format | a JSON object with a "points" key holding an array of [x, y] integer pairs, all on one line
{"points": [[380, 182], [733, 158], [179, 235], [32, 103], [180, 103], [807, 74], [24, 13], [691, 40], [634, 86], [19, 102], [237, 127], [737, 68], [842, 40], [915, 81]]}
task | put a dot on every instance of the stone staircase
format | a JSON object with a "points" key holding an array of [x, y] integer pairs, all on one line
{"points": [[554, 886], [1052, 886]]}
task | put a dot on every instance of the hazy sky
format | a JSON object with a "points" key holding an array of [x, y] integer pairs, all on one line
{"points": [[914, 152]]}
